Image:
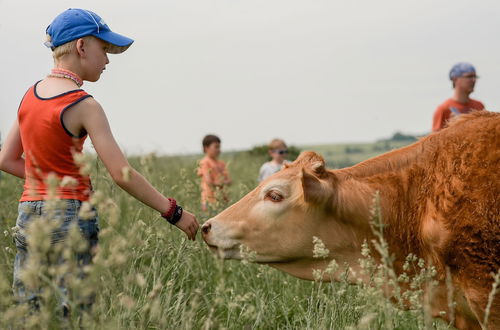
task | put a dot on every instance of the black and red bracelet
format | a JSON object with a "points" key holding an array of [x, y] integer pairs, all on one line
{"points": [[174, 213], [171, 209]]}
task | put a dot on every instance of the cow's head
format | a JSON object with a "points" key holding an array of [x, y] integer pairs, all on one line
{"points": [[279, 219]]}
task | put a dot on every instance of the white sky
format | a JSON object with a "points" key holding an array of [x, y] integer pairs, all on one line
{"points": [[250, 70]]}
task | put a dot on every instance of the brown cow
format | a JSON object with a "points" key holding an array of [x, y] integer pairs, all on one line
{"points": [[439, 199]]}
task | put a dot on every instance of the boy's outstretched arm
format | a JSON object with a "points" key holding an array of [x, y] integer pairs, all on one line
{"points": [[11, 155], [96, 124]]}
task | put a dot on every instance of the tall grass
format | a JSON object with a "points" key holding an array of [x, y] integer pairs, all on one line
{"points": [[146, 275]]}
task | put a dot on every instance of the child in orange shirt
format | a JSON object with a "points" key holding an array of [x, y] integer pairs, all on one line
{"points": [[213, 173]]}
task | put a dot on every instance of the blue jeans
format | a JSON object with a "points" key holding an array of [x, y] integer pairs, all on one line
{"points": [[67, 215]]}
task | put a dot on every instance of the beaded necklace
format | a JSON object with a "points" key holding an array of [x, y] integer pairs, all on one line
{"points": [[62, 73]]}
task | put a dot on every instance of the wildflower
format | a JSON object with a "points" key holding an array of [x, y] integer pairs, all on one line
{"points": [[491, 296], [250, 312], [157, 288], [366, 320], [432, 271], [320, 250], [126, 173], [84, 161], [141, 281], [332, 267], [156, 310], [317, 275], [52, 182], [232, 305], [97, 197], [148, 158], [246, 254], [352, 272], [404, 278], [86, 211], [68, 181], [126, 301], [120, 259], [365, 249]]}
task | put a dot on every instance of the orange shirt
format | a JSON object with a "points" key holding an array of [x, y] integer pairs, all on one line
{"points": [[49, 146], [451, 108], [215, 171]]}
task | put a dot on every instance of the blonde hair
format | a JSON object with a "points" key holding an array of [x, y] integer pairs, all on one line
{"points": [[63, 49], [276, 144]]}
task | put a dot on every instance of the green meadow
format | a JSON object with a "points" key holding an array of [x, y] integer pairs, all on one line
{"points": [[146, 275]]}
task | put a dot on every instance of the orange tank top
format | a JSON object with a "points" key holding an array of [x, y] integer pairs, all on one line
{"points": [[49, 146]]}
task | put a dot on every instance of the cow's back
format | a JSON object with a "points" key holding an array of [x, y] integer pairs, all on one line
{"points": [[467, 194]]}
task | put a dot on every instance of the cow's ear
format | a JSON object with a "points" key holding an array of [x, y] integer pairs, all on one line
{"points": [[316, 190], [318, 168]]}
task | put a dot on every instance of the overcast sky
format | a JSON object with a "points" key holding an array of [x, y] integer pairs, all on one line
{"points": [[310, 71]]}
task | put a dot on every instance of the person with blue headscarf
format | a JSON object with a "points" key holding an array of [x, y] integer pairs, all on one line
{"points": [[463, 77]]}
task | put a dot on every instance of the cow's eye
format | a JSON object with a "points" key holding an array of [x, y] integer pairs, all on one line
{"points": [[274, 196]]}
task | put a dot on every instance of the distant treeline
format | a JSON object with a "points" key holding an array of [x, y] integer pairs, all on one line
{"points": [[262, 151], [398, 136]]}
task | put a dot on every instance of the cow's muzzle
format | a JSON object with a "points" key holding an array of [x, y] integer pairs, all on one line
{"points": [[218, 242]]}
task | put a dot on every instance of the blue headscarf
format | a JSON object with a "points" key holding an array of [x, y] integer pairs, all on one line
{"points": [[460, 69]]}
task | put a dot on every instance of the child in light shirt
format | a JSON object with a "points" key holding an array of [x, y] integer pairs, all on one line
{"points": [[278, 151]]}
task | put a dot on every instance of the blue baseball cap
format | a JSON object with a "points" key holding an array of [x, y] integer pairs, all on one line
{"points": [[460, 69], [77, 23]]}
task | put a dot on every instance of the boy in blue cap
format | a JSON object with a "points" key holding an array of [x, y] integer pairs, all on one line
{"points": [[54, 119], [463, 75]]}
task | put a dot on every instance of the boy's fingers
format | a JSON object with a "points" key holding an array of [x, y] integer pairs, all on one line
{"points": [[190, 228], [191, 233]]}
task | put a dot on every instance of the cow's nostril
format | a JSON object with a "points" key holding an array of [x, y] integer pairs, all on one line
{"points": [[206, 228]]}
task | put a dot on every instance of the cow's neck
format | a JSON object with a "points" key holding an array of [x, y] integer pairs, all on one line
{"points": [[393, 161], [398, 177]]}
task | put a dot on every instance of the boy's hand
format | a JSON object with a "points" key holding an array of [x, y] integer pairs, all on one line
{"points": [[188, 224]]}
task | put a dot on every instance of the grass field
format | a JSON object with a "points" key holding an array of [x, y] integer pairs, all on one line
{"points": [[148, 276]]}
